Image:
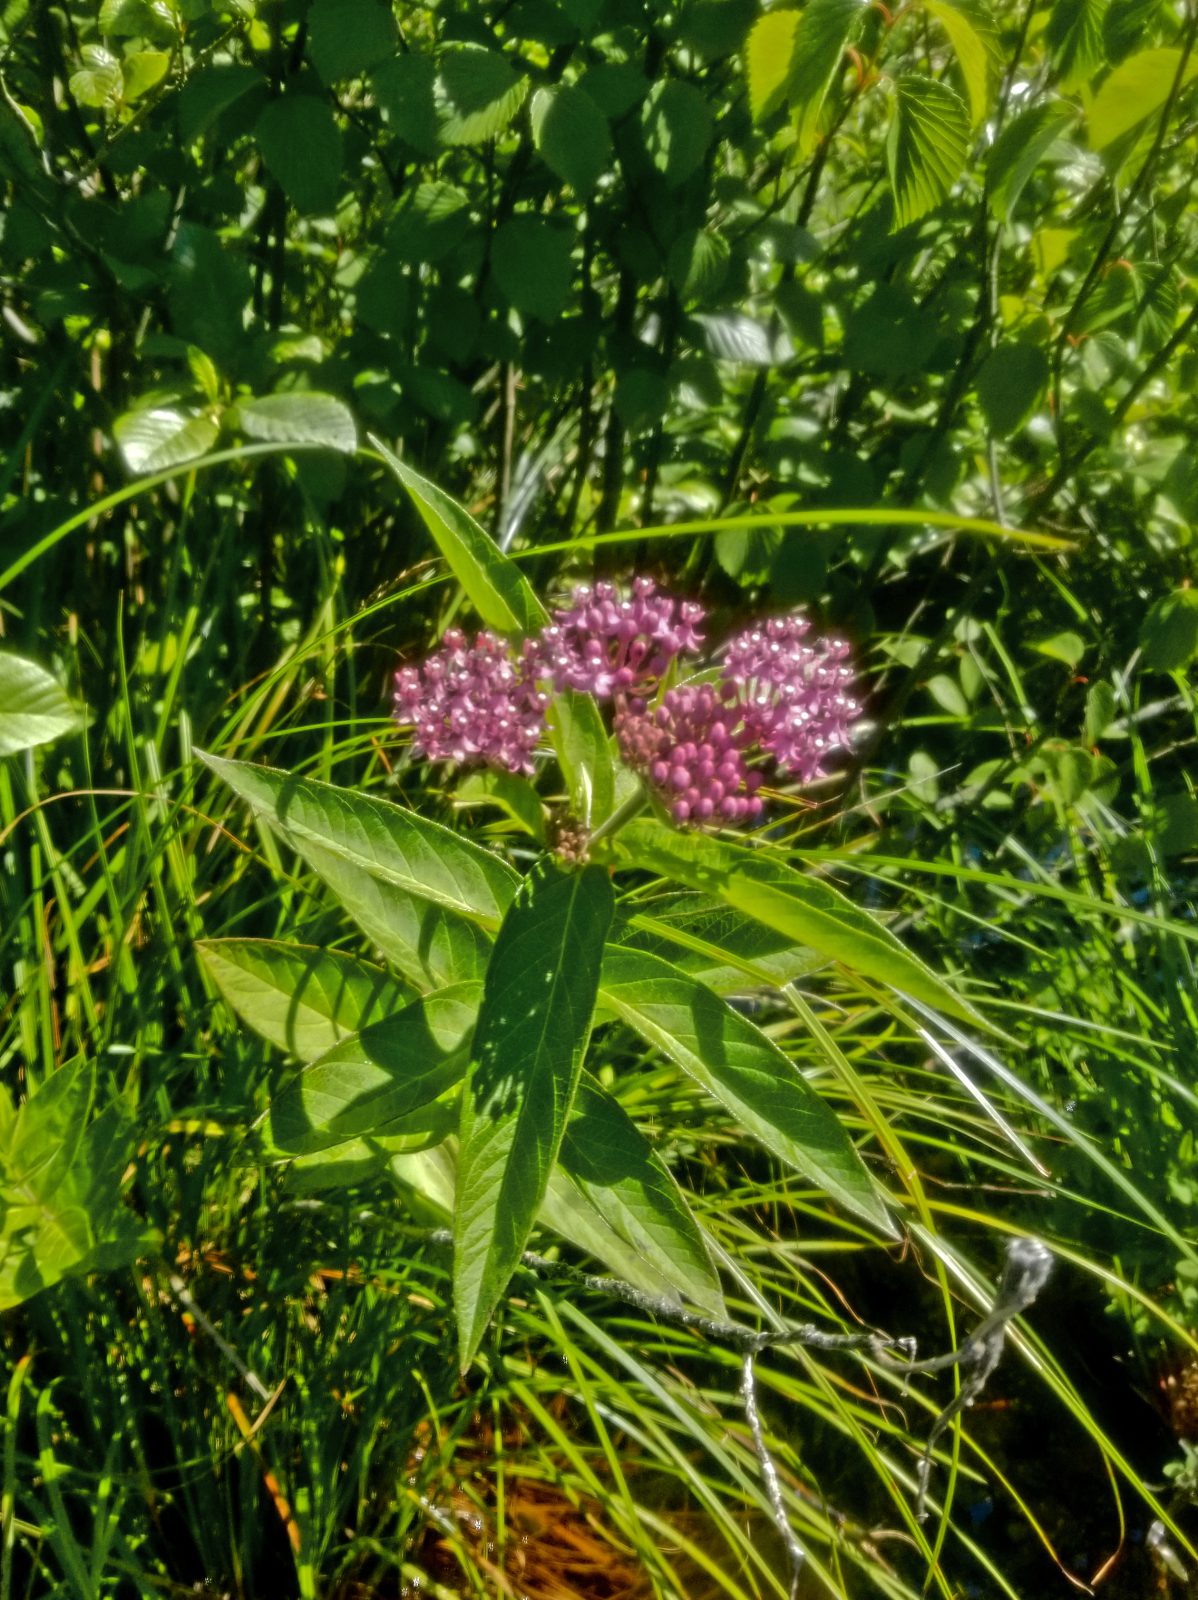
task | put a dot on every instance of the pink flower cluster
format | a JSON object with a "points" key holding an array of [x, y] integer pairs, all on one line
{"points": [[777, 695], [472, 704], [603, 645]]}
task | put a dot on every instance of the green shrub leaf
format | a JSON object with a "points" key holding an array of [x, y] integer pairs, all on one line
{"points": [[1134, 91], [1169, 636], [301, 145], [743, 1069], [572, 136], [345, 37], [300, 998], [1020, 148], [1011, 381], [825, 28], [809, 910], [767, 58], [163, 436], [370, 1079], [532, 1030], [299, 417], [926, 146], [478, 94], [678, 128]]}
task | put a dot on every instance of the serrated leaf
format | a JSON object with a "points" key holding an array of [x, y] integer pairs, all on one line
{"points": [[741, 1067], [768, 55], [1020, 148], [1135, 91], [678, 127], [163, 436], [299, 416], [609, 1164], [302, 999], [33, 708], [346, 37], [301, 145], [926, 146], [698, 264], [1127, 24], [478, 93], [530, 257], [826, 28], [1010, 383], [572, 136], [127, 19], [1074, 36], [1169, 635], [733, 336], [809, 910], [384, 841], [374, 1077], [971, 33], [533, 1025]]}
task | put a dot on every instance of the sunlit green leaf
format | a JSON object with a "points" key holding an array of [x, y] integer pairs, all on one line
{"points": [[33, 709], [926, 146]]}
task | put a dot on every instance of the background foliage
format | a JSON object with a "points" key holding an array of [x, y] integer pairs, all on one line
{"points": [[840, 275]]}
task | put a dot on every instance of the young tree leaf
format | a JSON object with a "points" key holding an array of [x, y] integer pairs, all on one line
{"points": [[698, 262], [386, 841], [300, 998], [1020, 148], [533, 1026], [162, 436], [1169, 635], [971, 32], [767, 59], [572, 136], [405, 88], [609, 1163], [1074, 37], [299, 417], [495, 586], [825, 28], [678, 128], [345, 37], [301, 145], [142, 69], [387, 1071], [739, 1066], [478, 94], [33, 709], [926, 146], [1010, 382], [530, 257], [209, 92], [1136, 90], [809, 910], [99, 82]]}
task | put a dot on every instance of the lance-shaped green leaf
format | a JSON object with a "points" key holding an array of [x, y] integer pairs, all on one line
{"points": [[387, 841], [299, 997], [767, 60], [742, 1068], [493, 584], [825, 28], [808, 909], [388, 1070], [431, 947], [970, 27], [357, 1161], [538, 1000], [609, 1164], [728, 951]]}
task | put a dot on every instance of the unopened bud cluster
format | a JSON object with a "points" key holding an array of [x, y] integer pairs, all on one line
{"points": [[778, 696]]}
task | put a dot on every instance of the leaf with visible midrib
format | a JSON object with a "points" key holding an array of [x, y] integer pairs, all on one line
{"points": [[926, 147], [538, 999], [741, 1067], [651, 1237], [388, 1070], [33, 709], [299, 997], [808, 909], [385, 840]]}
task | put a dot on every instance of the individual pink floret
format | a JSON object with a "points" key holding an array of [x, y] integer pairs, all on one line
{"points": [[602, 645], [794, 695], [471, 703], [693, 753]]}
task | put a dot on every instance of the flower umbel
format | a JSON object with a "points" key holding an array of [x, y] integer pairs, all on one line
{"points": [[794, 694], [693, 752], [469, 702], [602, 645]]}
